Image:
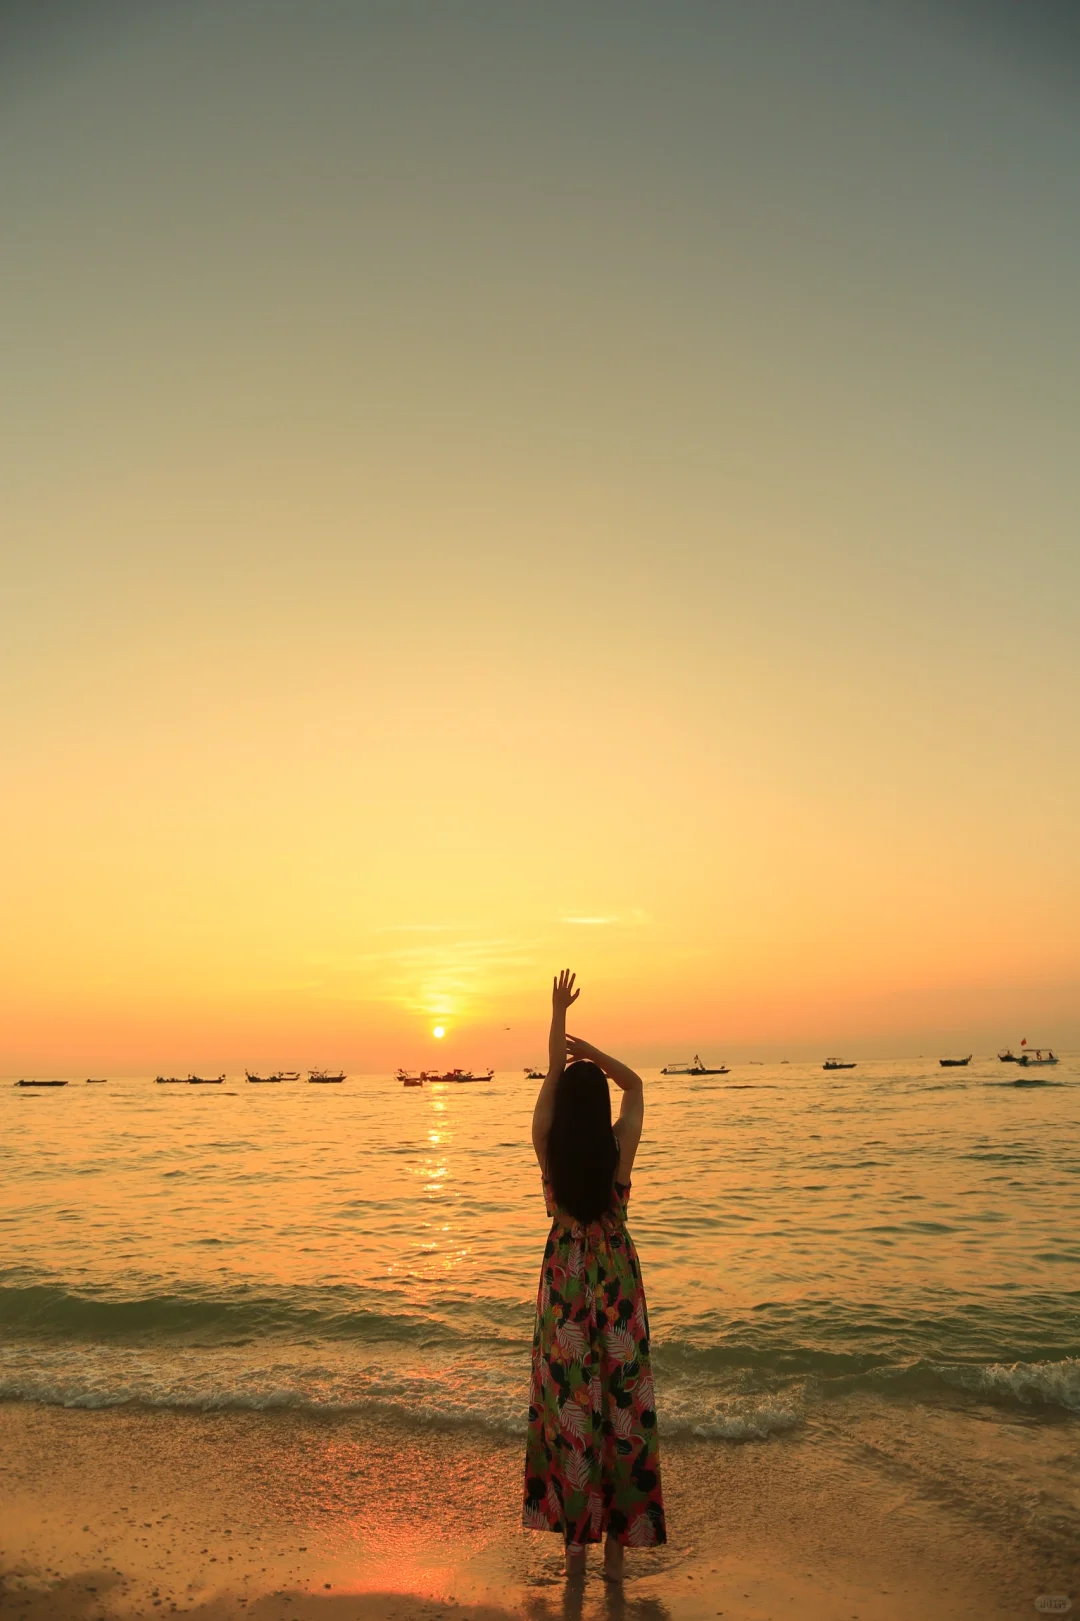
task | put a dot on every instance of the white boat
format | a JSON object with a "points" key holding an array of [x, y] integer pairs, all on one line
{"points": [[1036, 1059]]}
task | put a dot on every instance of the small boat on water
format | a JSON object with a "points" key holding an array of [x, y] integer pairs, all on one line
{"points": [[206, 1080], [320, 1077], [836, 1063], [286, 1075], [170, 1080], [1036, 1059], [954, 1063], [40, 1083], [694, 1067], [103, 1082], [1007, 1056], [535, 1074], [262, 1080], [407, 1079]]}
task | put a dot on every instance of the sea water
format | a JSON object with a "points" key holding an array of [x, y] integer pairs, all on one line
{"points": [[897, 1230]]}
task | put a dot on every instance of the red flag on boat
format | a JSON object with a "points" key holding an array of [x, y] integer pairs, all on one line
{"points": [[1024, 1042]]}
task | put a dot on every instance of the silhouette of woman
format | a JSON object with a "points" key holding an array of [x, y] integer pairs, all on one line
{"points": [[592, 1462]]}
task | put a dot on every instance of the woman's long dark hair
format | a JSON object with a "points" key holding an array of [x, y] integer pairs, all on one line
{"points": [[582, 1150]]}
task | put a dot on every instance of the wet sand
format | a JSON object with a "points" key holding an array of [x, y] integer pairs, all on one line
{"points": [[275, 1516]]}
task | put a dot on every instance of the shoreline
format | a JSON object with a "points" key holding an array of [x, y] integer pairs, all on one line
{"points": [[132, 1512]]}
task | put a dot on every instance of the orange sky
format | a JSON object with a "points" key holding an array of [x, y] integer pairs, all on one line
{"points": [[486, 495]]}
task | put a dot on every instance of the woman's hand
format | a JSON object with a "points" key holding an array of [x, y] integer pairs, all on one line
{"points": [[578, 1049], [563, 992]]}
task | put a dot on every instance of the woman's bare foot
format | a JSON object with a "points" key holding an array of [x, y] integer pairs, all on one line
{"points": [[575, 1561], [613, 1560]]}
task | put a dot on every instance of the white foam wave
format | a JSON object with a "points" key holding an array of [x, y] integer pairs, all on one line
{"points": [[1054, 1384], [437, 1388], [437, 1391], [755, 1425]]}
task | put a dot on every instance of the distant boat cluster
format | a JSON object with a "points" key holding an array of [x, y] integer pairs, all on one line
{"points": [[434, 1077], [1028, 1058], [190, 1080], [316, 1077]]}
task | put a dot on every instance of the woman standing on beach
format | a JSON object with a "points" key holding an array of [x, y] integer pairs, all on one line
{"points": [[592, 1461]]}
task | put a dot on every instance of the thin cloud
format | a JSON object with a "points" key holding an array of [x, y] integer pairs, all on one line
{"points": [[628, 919]]}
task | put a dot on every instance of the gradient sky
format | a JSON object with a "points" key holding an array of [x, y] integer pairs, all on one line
{"points": [[492, 486]]}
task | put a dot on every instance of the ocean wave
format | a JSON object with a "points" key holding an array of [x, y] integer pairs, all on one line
{"points": [[755, 1421], [457, 1358], [444, 1391], [1053, 1383], [783, 1340], [1049, 1384], [458, 1386], [55, 1311], [74, 1393]]}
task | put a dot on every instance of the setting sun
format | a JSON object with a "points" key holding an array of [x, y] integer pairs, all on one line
{"points": [[438, 1031]]}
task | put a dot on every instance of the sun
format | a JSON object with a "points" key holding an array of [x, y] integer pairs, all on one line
{"points": [[439, 1032]]}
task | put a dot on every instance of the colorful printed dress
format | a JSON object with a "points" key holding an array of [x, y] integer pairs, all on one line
{"points": [[592, 1458]]}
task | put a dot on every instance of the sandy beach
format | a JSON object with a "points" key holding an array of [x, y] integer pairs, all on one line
{"points": [[131, 1513]]}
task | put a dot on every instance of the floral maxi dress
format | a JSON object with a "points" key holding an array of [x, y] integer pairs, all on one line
{"points": [[592, 1458]]}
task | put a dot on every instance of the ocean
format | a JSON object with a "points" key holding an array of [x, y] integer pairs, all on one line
{"points": [[897, 1233]]}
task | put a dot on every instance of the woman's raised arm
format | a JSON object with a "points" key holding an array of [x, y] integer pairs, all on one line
{"points": [[563, 995]]}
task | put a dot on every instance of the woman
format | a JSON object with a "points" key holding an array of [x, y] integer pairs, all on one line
{"points": [[592, 1462]]}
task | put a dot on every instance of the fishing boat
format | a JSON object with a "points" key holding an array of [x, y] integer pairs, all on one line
{"points": [[406, 1079], [320, 1077], [836, 1063], [1036, 1059], [103, 1082], [535, 1074], [954, 1063], [1007, 1057], [262, 1080], [170, 1080], [286, 1075], [698, 1068], [693, 1067], [206, 1080], [40, 1083]]}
